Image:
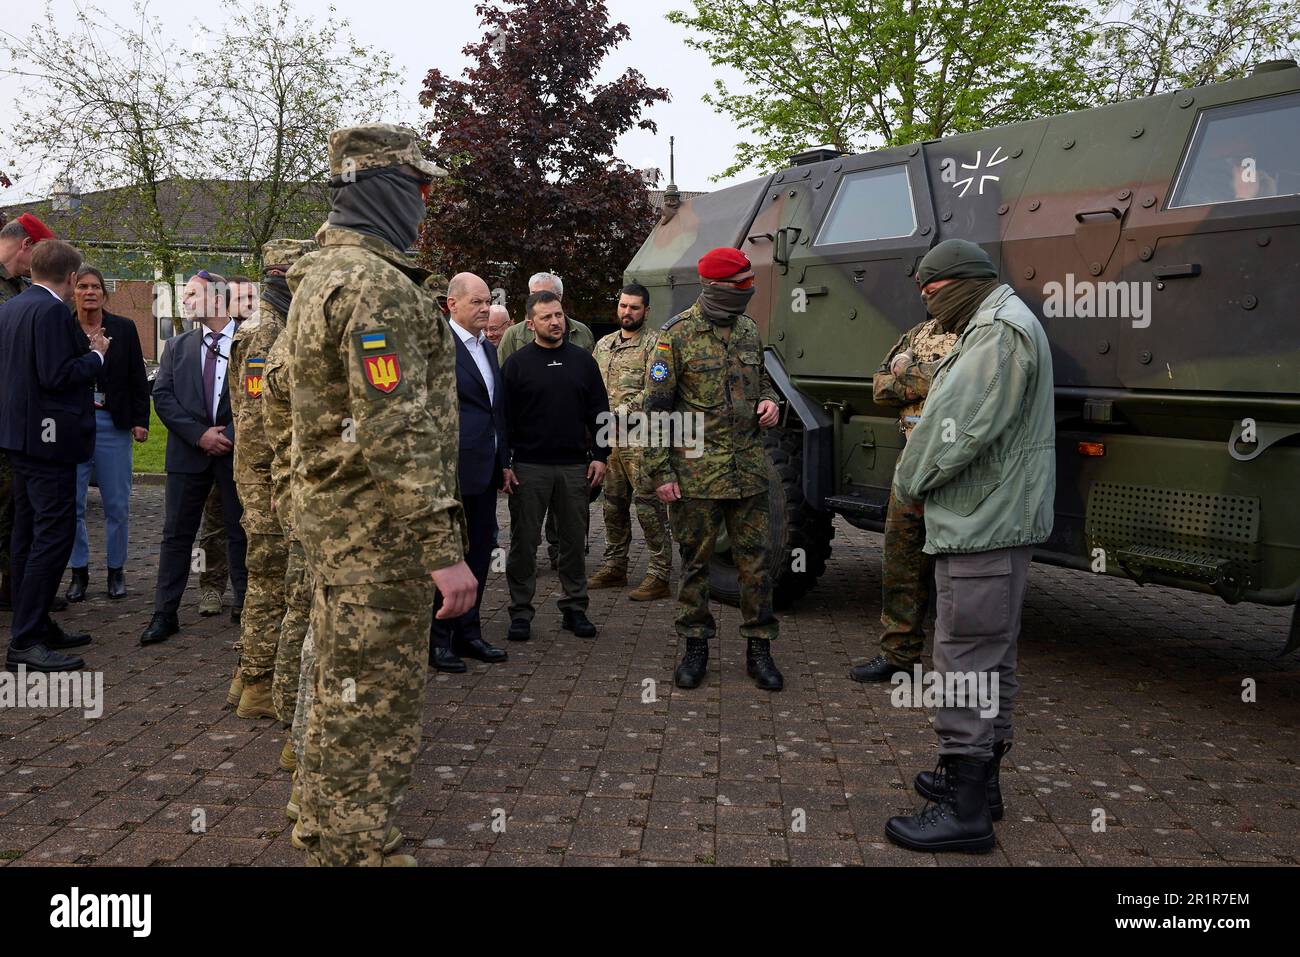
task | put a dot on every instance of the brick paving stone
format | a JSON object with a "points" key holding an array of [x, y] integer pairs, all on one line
{"points": [[75, 845], [143, 849], [1130, 703]]}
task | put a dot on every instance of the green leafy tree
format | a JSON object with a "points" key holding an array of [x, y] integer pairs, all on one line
{"points": [[1154, 46], [282, 84], [107, 105], [857, 74]]}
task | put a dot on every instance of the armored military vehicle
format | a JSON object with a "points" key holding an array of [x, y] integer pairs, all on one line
{"points": [[1158, 241]]}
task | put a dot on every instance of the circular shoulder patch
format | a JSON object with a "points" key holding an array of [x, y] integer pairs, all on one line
{"points": [[659, 371]]}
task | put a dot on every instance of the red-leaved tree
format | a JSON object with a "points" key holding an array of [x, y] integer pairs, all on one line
{"points": [[528, 136]]}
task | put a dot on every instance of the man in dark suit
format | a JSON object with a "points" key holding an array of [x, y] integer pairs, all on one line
{"points": [[47, 426], [192, 398], [483, 451]]}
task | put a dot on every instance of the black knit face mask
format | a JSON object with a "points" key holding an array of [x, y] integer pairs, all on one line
{"points": [[387, 204]]}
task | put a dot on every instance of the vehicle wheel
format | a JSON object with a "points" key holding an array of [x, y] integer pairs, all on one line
{"points": [[795, 524]]}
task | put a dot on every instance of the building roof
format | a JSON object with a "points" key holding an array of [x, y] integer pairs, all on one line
{"points": [[200, 213], [657, 196]]}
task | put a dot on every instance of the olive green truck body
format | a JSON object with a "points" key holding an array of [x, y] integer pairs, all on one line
{"points": [[1157, 240]]}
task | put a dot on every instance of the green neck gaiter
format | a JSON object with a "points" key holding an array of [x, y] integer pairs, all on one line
{"points": [[955, 304], [722, 305]]}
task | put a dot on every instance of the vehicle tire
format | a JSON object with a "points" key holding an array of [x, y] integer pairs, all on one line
{"points": [[795, 524]]}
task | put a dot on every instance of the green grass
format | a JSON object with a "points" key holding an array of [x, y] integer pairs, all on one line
{"points": [[148, 456]]}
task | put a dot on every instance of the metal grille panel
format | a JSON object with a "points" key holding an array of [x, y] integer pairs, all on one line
{"points": [[1199, 531]]}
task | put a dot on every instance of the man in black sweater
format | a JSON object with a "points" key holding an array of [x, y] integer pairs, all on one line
{"points": [[556, 406]]}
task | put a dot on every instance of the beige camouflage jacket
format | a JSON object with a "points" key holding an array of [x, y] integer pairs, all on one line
{"points": [[623, 364], [928, 344], [372, 394], [277, 424], [248, 351]]}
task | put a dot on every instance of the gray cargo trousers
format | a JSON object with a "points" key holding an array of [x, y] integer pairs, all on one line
{"points": [[980, 596]]}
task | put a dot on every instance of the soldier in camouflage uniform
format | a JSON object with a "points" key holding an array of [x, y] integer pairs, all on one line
{"points": [[903, 380], [216, 566], [372, 394], [278, 425], [264, 601], [17, 240], [708, 365], [623, 358]]}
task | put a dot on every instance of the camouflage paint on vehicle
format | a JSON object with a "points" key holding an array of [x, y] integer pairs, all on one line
{"points": [[1165, 492]]}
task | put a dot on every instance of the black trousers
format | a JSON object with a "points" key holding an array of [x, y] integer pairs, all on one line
{"points": [[186, 494], [45, 525], [481, 523]]}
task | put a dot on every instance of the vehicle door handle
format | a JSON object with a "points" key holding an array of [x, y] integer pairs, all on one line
{"points": [[767, 236], [1177, 271], [1104, 211]]}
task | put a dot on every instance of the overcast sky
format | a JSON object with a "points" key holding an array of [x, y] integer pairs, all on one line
{"points": [[421, 34]]}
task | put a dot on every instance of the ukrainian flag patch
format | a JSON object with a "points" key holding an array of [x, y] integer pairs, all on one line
{"points": [[374, 340], [257, 364]]}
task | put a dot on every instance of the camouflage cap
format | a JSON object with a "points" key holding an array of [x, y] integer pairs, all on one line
{"points": [[436, 283], [379, 145], [955, 259], [285, 252]]}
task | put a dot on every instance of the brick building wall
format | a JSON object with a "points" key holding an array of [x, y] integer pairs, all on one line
{"points": [[133, 299]]}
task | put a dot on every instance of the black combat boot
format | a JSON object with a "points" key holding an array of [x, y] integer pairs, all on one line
{"points": [[694, 664], [760, 666], [116, 583], [931, 784], [959, 820], [80, 582]]}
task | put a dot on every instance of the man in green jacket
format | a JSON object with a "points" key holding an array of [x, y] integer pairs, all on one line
{"points": [[982, 459]]}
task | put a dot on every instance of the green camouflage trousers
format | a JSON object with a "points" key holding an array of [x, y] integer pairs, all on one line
{"points": [[621, 478], [6, 511], [259, 631], [308, 817], [293, 627], [212, 539], [363, 733], [907, 578], [696, 522]]}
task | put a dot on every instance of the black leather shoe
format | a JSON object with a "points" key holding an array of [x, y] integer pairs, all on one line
{"points": [[577, 622], [760, 666], [694, 664], [161, 627], [444, 659], [480, 650], [42, 658], [236, 614], [959, 821], [520, 630], [878, 668], [56, 639], [933, 785], [116, 583], [77, 587]]}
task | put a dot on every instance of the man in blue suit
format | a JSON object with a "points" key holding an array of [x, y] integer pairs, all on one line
{"points": [[483, 451], [47, 426]]}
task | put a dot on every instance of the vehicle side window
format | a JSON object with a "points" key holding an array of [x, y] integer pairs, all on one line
{"points": [[870, 204], [1241, 152]]}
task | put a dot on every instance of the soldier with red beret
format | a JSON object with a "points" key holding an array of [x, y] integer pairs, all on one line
{"points": [[706, 377]]}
